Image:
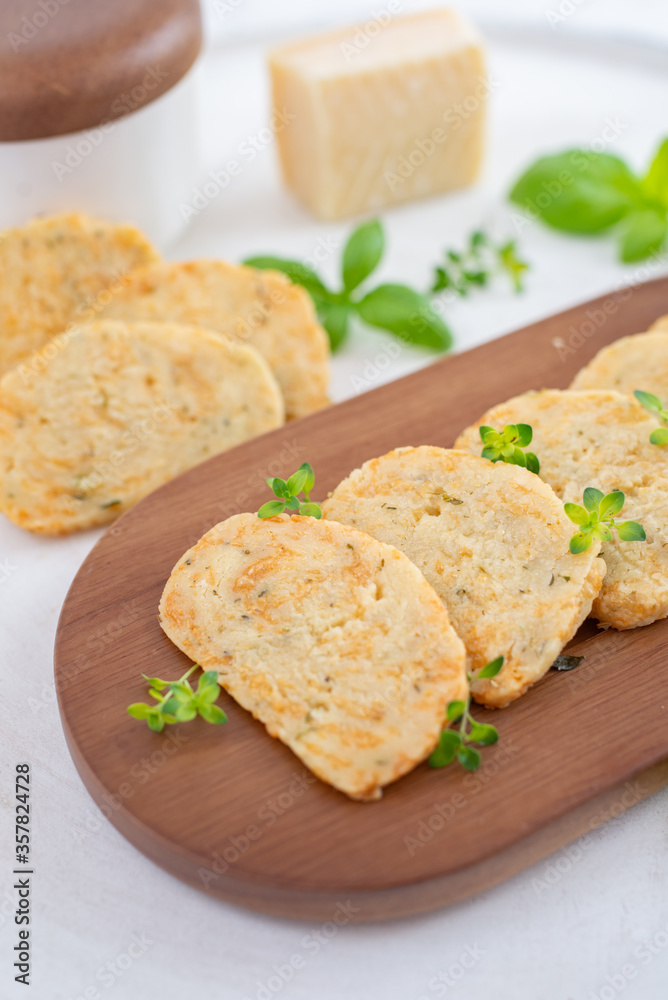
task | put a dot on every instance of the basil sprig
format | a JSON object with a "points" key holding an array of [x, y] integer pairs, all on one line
{"points": [[396, 308], [582, 192]]}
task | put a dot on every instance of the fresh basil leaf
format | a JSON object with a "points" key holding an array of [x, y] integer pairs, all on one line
{"points": [[335, 317], [296, 482], [524, 435], [455, 710], [407, 314], [631, 531], [483, 735], [602, 531], [468, 758], [659, 436], [655, 184], [641, 232], [156, 682], [156, 721], [139, 710], [445, 752], [362, 253], [310, 510], [310, 478], [648, 400], [611, 504], [297, 272], [533, 465], [271, 508], [490, 669], [591, 498], [576, 513], [213, 714], [580, 542], [578, 191]]}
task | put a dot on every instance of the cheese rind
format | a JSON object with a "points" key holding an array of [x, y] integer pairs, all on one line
{"points": [[381, 113]]}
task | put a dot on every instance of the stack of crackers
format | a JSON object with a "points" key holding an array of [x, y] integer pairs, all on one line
{"points": [[121, 370]]}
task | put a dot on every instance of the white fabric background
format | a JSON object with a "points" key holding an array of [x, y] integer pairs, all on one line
{"points": [[586, 935]]}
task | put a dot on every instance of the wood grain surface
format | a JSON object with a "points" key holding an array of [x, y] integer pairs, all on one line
{"points": [[232, 811]]}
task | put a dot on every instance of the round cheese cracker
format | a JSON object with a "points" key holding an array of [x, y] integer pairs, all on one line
{"points": [[659, 324], [60, 270], [637, 362], [333, 640], [119, 410], [260, 308], [601, 439], [492, 539]]}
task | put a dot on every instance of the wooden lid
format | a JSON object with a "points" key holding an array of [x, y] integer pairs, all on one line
{"points": [[69, 65]]}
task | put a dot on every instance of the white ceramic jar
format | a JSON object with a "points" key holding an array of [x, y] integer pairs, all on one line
{"points": [[98, 110]]}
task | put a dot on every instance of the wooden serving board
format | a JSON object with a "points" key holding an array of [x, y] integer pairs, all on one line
{"points": [[232, 811]]}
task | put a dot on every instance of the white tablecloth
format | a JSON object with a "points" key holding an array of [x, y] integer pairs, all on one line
{"points": [[591, 921]]}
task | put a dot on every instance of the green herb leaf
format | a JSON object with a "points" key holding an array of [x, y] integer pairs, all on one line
{"points": [[576, 513], [611, 505], [533, 465], [296, 482], [407, 314], [455, 710], [631, 531], [295, 271], [476, 265], [565, 662], [641, 232], [362, 253], [213, 714], [649, 401], [484, 735], [446, 750], [310, 510], [139, 710], [591, 498], [468, 758], [580, 542], [655, 184], [335, 317], [524, 435], [300, 481], [578, 191], [271, 508], [490, 669], [659, 436]]}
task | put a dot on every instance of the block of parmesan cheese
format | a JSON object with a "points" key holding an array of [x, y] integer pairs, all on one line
{"points": [[381, 112]]}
